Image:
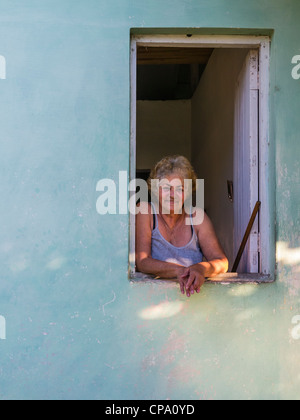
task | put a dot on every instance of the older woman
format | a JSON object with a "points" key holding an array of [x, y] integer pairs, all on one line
{"points": [[169, 244]]}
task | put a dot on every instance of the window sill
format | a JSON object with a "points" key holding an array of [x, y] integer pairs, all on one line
{"points": [[227, 278]]}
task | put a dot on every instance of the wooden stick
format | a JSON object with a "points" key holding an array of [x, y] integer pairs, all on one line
{"points": [[246, 237]]}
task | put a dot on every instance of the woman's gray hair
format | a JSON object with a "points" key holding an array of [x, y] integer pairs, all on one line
{"points": [[171, 165]]}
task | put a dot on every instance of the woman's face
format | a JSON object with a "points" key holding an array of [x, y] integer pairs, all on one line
{"points": [[171, 194]]}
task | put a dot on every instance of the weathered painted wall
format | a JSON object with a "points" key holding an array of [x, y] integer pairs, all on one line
{"points": [[75, 326]]}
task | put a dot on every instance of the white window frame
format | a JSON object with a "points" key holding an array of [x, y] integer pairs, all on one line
{"points": [[262, 43]]}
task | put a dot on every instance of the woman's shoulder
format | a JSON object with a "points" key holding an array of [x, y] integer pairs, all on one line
{"points": [[198, 216], [144, 207], [144, 217], [202, 223]]}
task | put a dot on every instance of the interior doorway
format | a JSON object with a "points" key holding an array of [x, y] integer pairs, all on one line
{"points": [[202, 100]]}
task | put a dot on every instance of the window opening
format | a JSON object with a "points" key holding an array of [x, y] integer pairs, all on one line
{"points": [[202, 99]]}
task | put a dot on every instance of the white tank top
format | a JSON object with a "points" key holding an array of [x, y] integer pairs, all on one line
{"points": [[163, 250]]}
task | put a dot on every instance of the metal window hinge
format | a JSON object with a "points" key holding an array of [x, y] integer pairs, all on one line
{"points": [[258, 243], [255, 242]]}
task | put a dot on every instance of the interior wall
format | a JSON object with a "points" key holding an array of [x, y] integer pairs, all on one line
{"points": [[163, 128], [212, 135]]}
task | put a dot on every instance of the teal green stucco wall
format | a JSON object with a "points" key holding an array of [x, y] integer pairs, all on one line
{"points": [[75, 326]]}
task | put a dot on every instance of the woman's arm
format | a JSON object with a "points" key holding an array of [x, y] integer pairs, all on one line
{"points": [[217, 262], [144, 262]]}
